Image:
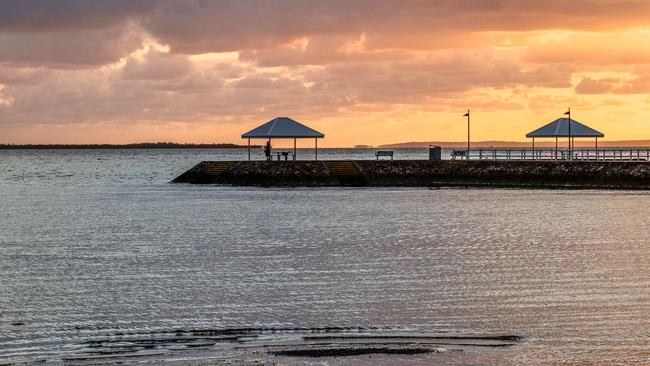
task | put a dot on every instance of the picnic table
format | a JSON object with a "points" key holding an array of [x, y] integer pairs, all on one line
{"points": [[285, 154]]}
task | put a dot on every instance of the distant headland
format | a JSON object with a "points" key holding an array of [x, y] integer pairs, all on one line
{"points": [[143, 145]]}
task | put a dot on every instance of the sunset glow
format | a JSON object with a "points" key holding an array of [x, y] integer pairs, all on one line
{"points": [[362, 71]]}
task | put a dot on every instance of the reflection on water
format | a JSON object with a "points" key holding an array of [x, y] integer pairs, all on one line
{"points": [[97, 247]]}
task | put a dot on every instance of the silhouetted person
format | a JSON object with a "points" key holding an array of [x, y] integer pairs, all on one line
{"points": [[267, 150]]}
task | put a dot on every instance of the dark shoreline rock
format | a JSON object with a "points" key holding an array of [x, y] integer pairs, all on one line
{"points": [[356, 351], [425, 173]]}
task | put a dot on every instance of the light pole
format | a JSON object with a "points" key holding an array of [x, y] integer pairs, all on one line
{"points": [[570, 142], [467, 115]]}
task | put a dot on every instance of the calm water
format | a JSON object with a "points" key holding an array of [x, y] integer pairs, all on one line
{"points": [[96, 245]]}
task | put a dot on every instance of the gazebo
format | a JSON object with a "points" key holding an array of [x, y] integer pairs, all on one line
{"points": [[283, 128], [561, 128]]}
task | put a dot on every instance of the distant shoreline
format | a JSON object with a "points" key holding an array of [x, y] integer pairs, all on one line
{"points": [[145, 145]]}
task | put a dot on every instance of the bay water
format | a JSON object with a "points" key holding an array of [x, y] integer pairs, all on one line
{"points": [[97, 245]]}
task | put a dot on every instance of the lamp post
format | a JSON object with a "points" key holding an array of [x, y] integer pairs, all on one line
{"points": [[570, 142], [468, 145]]}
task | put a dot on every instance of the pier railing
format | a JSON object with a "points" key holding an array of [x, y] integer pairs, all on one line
{"points": [[607, 154]]}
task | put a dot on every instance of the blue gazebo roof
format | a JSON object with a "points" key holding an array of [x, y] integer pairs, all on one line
{"points": [[282, 127], [560, 128]]}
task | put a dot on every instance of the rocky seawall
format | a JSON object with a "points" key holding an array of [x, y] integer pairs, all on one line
{"points": [[413, 173]]}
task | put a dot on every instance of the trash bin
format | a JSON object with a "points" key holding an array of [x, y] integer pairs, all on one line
{"points": [[435, 152]]}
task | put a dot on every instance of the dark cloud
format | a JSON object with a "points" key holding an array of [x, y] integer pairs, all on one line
{"points": [[261, 27], [61, 15], [214, 26], [70, 33], [70, 49], [229, 25]]}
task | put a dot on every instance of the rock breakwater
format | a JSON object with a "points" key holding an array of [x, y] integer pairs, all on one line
{"points": [[425, 173]]}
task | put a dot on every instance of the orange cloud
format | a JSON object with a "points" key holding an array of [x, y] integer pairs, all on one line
{"points": [[609, 48]]}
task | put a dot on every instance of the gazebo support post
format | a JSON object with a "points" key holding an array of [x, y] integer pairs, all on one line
{"points": [[270, 150], [533, 148], [596, 148], [316, 148], [249, 149], [294, 148], [556, 148]]}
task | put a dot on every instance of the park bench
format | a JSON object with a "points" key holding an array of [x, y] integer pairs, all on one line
{"points": [[384, 153], [458, 154]]}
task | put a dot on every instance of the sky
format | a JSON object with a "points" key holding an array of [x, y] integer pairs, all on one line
{"points": [[360, 71]]}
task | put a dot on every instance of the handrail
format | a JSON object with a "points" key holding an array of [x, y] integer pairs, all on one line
{"points": [[605, 154]]}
